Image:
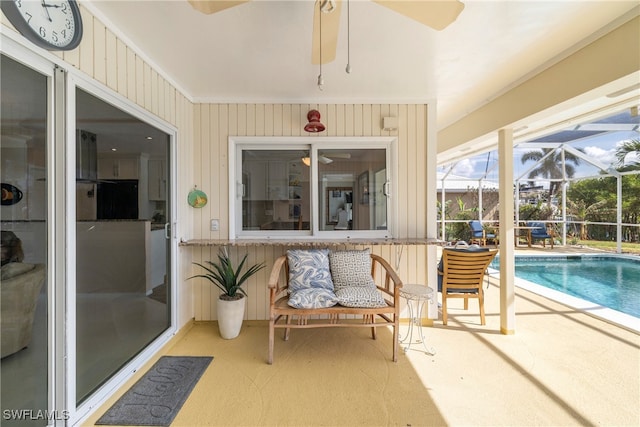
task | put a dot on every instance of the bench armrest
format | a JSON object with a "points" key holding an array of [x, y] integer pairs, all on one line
{"points": [[392, 283], [275, 286]]}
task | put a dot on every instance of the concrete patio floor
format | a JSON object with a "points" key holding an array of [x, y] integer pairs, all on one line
{"points": [[561, 367]]}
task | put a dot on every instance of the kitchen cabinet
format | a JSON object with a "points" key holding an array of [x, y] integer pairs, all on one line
{"points": [[157, 179], [278, 187], [256, 185], [118, 167], [270, 180]]}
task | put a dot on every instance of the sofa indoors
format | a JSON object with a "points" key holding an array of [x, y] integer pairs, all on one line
{"points": [[20, 286]]}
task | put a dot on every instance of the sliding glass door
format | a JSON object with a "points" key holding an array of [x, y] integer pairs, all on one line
{"points": [[24, 143], [122, 246]]}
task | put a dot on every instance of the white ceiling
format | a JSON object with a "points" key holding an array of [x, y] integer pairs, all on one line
{"points": [[260, 51]]}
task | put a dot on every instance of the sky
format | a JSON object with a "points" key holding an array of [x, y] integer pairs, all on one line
{"points": [[602, 148]]}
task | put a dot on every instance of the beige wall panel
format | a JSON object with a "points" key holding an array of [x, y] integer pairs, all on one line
{"points": [[121, 67], [366, 120], [99, 52], [147, 86], [131, 76], [411, 169], [139, 81], [216, 146], [154, 92], [86, 45], [376, 120], [201, 139], [214, 123], [161, 95], [72, 57], [111, 60]]}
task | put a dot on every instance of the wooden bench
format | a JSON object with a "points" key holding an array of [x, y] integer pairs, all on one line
{"points": [[281, 315]]}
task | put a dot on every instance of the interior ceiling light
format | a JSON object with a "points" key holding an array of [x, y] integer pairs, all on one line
{"points": [[314, 125]]}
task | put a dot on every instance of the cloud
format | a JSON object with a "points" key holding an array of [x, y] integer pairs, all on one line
{"points": [[603, 156], [465, 168]]}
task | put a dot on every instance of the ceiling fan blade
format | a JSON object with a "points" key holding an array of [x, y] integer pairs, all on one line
{"points": [[330, 26], [213, 6], [336, 155], [437, 14]]}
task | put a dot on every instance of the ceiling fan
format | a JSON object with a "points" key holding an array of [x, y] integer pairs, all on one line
{"points": [[326, 157], [437, 14]]}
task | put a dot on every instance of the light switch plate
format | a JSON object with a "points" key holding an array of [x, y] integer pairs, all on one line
{"points": [[215, 225]]}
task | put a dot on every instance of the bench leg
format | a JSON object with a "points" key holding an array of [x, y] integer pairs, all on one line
{"points": [[271, 339], [369, 318], [395, 338], [287, 330]]}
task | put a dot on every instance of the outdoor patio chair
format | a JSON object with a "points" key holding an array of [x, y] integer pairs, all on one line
{"points": [[540, 232], [479, 235], [462, 274]]}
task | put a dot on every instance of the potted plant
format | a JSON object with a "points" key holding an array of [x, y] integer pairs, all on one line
{"points": [[231, 303]]}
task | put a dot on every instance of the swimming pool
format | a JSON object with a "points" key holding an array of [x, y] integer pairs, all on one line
{"points": [[611, 282]]}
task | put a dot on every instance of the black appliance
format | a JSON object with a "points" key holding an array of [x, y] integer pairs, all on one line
{"points": [[118, 199]]}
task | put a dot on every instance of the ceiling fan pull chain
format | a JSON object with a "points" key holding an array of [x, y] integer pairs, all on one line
{"points": [[348, 69], [320, 79]]}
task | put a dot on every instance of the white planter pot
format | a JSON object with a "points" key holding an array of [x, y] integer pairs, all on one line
{"points": [[230, 316]]}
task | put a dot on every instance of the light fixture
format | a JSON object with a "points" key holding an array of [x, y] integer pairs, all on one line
{"points": [[306, 161], [314, 124]]}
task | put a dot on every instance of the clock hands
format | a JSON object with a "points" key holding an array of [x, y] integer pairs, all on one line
{"points": [[44, 6]]}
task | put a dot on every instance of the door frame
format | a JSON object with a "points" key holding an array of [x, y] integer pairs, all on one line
{"points": [[62, 79]]}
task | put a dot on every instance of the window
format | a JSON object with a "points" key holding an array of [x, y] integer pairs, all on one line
{"points": [[315, 187]]}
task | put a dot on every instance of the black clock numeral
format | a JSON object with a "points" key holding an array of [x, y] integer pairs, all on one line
{"points": [[29, 16], [19, 3], [63, 8], [67, 24], [64, 34], [43, 32], [54, 36]]}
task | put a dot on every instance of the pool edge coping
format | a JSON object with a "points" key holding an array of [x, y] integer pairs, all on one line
{"points": [[606, 314]]}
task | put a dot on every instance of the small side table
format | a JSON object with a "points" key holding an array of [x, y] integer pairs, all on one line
{"points": [[416, 296]]}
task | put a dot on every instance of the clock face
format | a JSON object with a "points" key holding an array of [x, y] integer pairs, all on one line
{"points": [[51, 24]]}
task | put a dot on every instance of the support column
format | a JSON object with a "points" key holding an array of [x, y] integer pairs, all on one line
{"points": [[619, 214], [431, 165], [507, 238]]}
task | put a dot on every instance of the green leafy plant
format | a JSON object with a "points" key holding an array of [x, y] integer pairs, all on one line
{"points": [[227, 278]]}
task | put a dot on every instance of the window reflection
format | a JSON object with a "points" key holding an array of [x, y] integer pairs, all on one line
{"points": [[275, 185], [23, 172]]}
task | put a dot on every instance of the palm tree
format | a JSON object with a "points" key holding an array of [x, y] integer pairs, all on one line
{"points": [[631, 146], [551, 166]]}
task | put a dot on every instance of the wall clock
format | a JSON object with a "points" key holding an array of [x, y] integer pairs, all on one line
{"points": [[50, 24]]}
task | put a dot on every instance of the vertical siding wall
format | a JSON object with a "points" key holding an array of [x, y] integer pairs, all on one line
{"points": [[214, 123], [106, 58]]}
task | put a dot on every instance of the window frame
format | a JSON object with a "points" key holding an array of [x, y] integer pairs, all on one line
{"points": [[237, 144]]}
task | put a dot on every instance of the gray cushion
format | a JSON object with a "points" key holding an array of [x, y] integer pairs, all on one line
{"points": [[360, 296], [354, 286], [351, 268]]}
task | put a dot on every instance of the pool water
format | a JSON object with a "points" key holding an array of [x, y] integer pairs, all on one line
{"points": [[612, 282]]}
